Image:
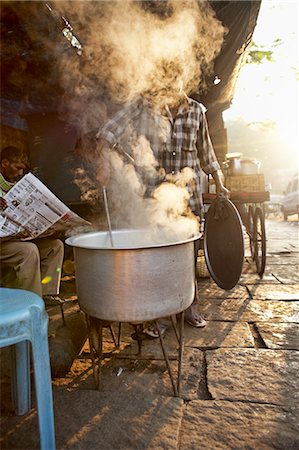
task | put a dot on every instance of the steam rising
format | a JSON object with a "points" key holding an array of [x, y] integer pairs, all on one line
{"points": [[166, 212], [133, 48], [130, 49]]}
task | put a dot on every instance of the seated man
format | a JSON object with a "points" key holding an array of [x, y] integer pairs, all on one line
{"points": [[37, 264]]}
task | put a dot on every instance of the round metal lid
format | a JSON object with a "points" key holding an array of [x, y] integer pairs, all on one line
{"points": [[224, 243]]}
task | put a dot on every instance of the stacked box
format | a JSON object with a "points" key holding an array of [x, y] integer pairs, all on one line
{"points": [[245, 183]]}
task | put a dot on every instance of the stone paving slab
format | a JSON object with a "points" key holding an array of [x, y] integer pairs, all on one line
{"points": [[290, 259], [274, 292], [285, 274], [136, 407], [219, 334], [249, 310], [138, 375], [279, 335], [285, 244], [292, 279], [224, 425], [215, 334], [95, 420], [152, 376], [249, 278], [151, 346], [262, 376], [192, 373], [213, 291]]}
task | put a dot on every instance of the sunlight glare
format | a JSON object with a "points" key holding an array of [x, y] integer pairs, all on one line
{"points": [[268, 92]]}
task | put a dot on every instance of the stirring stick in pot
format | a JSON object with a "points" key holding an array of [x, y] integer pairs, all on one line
{"points": [[119, 148], [107, 214]]}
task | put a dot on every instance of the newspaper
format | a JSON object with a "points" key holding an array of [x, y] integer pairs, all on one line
{"points": [[34, 211]]}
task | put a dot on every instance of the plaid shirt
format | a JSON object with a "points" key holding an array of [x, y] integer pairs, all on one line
{"points": [[182, 141]]}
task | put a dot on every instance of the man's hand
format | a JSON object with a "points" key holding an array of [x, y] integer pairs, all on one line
{"points": [[3, 204], [221, 190]]}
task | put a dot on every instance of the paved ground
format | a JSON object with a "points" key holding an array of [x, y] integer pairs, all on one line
{"points": [[240, 382]]}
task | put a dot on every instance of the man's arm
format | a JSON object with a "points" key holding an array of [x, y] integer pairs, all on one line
{"points": [[208, 160], [108, 136]]}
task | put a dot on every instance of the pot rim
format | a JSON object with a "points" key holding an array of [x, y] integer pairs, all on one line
{"points": [[73, 241]]}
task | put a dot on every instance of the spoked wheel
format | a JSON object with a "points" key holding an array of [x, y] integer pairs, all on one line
{"points": [[259, 242], [250, 230]]}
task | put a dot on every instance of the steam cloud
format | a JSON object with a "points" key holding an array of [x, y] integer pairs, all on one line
{"points": [[131, 48]]}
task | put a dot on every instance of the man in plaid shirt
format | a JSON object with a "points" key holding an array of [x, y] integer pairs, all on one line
{"points": [[179, 138]]}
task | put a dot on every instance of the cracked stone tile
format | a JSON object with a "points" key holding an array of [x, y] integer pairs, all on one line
{"points": [[286, 274], [279, 335], [225, 425], [247, 279], [249, 310], [293, 279], [192, 373], [219, 334], [260, 375]]}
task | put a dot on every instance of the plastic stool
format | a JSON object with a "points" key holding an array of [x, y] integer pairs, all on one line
{"points": [[23, 318]]}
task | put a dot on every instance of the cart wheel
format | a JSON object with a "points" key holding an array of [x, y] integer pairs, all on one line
{"points": [[259, 242], [250, 230]]}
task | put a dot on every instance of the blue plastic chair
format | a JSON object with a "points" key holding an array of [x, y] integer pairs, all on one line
{"points": [[23, 318]]}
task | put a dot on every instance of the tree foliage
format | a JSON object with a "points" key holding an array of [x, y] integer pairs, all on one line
{"points": [[259, 53]]}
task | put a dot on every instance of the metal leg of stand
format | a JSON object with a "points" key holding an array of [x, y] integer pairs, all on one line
{"points": [[113, 336], [96, 348], [166, 359], [95, 334], [94, 365], [119, 333], [62, 314], [181, 350], [100, 354], [92, 345], [139, 334], [175, 328]]}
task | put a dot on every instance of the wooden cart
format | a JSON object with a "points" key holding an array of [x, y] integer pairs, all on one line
{"points": [[252, 211]]}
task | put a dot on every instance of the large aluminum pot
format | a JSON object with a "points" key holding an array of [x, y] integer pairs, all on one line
{"points": [[241, 166], [136, 279]]}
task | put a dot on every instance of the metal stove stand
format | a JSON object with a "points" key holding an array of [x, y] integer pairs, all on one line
{"points": [[95, 335]]}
